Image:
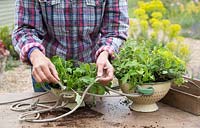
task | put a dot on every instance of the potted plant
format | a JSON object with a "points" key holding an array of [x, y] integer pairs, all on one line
{"points": [[149, 66], [154, 56]]}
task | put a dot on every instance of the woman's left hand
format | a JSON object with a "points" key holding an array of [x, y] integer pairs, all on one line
{"points": [[105, 70]]}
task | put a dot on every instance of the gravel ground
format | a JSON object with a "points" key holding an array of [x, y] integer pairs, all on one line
{"points": [[16, 80], [19, 79]]}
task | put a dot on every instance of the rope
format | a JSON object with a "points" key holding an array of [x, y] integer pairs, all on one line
{"points": [[32, 97], [124, 94], [33, 115], [96, 95], [35, 120], [28, 107], [24, 116]]}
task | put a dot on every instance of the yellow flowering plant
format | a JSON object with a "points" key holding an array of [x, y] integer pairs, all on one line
{"points": [[150, 23], [186, 13]]}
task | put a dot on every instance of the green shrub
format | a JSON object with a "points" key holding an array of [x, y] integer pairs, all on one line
{"points": [[5, 36]]}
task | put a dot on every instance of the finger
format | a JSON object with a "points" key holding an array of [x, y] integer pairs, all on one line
{"points": [[106, 79], [110, 71], [36, 77], [54, 71], [100, 68], [104, 82], [41, 75], [47, 73], [108, 76]]}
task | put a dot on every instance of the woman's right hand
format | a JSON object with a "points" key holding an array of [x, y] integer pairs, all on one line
{"points": [[43, 68]]}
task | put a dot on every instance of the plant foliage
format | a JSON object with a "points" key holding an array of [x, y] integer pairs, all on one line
{"points": [[77, 75], [144, 62], [5, 36], [3, 50]]}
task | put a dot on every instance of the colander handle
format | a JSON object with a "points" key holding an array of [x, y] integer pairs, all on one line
{"points": [[145, 91]]}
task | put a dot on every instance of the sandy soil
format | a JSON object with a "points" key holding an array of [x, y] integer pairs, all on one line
{"points": [[19, 79], [16, 80]]}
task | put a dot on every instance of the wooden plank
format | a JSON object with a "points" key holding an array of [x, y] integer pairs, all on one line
{"points": [[110, 113]]}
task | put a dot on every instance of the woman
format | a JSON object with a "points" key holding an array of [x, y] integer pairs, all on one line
{"points": [[83, 30]]}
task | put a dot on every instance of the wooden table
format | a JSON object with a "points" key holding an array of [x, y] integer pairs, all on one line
{"points": [[110, 113]]}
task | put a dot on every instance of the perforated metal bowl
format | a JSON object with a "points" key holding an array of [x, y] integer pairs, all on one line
{"points": [[147, 103]]}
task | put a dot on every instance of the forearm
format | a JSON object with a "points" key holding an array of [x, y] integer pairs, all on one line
{"points": [[23, 41], [112, 47], [28, 30]]}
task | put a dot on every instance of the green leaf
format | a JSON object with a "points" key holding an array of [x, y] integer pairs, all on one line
{"points": [[78, 98], [38, 85], [164, 72], [65, 81], [87, 79], [140, 71], [101, 90], [93, 89], [131, 64], [125, 78]]}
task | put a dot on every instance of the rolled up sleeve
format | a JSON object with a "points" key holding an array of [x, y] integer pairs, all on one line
{"points": [[114, 30], [29, 30]]}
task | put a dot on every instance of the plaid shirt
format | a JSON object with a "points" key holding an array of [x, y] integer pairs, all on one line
{"points": [[72, 29]]}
